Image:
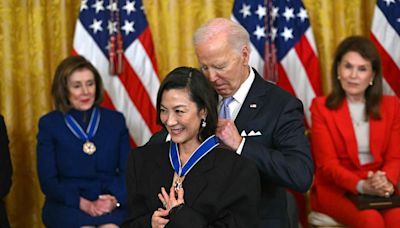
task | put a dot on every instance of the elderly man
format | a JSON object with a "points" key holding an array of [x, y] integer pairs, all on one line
{"points": [[259, 120]]}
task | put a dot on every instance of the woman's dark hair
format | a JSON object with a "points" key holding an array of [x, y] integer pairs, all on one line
{"points": [[200, 92], [373, 94], [64, 70]]}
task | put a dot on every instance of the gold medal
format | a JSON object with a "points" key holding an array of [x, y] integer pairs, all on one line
{"points": [[89, 148], [178, 183]]}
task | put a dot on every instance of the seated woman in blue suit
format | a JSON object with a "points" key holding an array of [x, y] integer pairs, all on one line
{"points": [[191, 181], [81, 152]]}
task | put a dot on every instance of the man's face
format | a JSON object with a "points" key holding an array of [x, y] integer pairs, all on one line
{"points": [[224, 67]]}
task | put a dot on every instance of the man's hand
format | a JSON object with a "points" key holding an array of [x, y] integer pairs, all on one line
{"points": [[228, 133]]}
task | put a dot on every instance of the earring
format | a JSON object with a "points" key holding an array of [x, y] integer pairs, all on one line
{"points": [[203, 123], [338, 77], [371, 83]]}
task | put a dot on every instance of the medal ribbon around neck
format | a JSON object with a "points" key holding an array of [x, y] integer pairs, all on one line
{"points": [[91, 130], [199, 153]]}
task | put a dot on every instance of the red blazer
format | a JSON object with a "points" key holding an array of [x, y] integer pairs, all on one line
{"points": [[335, 150]]}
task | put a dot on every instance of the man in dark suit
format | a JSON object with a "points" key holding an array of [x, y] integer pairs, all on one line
{"points": [[266, 122], [5, 172]]}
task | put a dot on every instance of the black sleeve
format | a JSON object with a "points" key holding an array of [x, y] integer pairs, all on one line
{"points": [[5, 161]]}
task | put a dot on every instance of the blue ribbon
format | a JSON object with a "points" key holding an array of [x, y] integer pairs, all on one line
{"points": [[77, 130], [199, 153]]}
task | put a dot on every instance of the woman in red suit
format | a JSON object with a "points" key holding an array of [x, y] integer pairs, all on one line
{"points": [[355, 136]]}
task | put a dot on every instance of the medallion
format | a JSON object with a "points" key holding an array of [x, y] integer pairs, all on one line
{"points": [[196, 156], [86, 136], [89, 148], [178, 185]]}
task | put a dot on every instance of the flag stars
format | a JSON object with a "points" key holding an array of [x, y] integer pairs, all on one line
{"points": [[129, 7], [302, 14], [289, 13], [84, 5], [261, 12], [287, 34], [128, 27], [96, 26], [260, 32], [245, 10], [98, 6]]}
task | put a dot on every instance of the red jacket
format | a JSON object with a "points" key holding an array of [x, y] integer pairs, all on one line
{"points": [[335, 149]]}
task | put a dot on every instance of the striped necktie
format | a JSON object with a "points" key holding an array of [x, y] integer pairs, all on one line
{"points": [[224, 112]]}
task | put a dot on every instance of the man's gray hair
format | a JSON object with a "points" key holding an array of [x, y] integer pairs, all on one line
{"points": [[237, 35]]}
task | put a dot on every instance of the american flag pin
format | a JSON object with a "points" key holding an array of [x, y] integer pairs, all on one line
{"points": [[253, 105]]}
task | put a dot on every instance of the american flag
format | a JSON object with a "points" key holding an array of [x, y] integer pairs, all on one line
{"points": [[385, 33], [281, 37], [115, 37]]}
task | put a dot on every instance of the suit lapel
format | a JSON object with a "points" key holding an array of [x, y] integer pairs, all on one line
{"points": [[343, 122], [163, 175], [195, 180], [377, 134], [252, 104]]}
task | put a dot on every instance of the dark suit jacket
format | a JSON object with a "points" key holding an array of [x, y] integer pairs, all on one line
{"points": [[282, 151], [5, 172], [221, 190]]}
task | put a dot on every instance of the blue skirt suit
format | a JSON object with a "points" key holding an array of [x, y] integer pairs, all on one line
{"points": [[66, 173]]}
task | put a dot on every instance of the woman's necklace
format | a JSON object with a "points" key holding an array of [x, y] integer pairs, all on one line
{"points": [[357, 113]]}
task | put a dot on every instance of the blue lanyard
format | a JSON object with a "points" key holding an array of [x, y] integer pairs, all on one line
{"points": [[199, 153]]}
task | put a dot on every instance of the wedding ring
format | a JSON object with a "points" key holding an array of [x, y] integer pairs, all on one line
{"points": [[164, 204]]}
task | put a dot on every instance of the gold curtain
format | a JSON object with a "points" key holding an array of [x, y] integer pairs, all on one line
{"points": [[36, 34]]}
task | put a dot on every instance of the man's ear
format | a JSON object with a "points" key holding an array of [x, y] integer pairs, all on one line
{"points": [[245, 54]]}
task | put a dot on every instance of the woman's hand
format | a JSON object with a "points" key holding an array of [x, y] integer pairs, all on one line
{"points": [[378, 184], [89, 207], [172, 199], [158, 219], [106, 203]]}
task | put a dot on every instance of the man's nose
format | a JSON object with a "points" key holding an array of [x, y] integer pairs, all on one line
{"points": [[212, 75]]}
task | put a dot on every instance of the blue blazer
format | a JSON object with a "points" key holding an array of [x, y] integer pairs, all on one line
{"points": [[278, 146], [66, 173]]}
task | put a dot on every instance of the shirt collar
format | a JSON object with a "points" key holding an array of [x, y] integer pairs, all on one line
{"points": [[244, 88]]}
